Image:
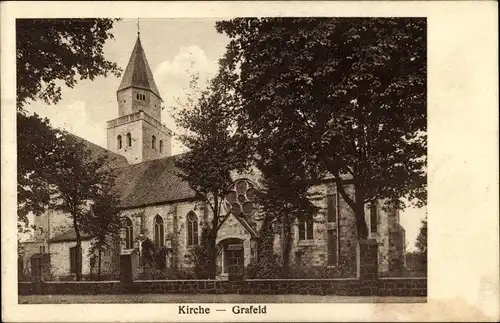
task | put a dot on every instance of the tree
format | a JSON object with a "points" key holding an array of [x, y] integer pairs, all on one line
{"points": [[421, 242], [49, 51], [81, 184], [352, 91], [52, 50], [37, 144], [285, 197], [103, 221], [215, 151]]}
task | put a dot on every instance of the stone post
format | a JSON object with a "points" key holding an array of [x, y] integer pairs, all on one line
{"points": [[129, 267], [367, 266]]}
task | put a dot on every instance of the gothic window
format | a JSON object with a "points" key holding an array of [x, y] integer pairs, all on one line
{"points": [[192, 229], [119, 142], [129, 139], [159, 231], [153, 142], [305, 227], [161, 146], [241, 198], [373, 217], [129, 234], [42, 249]]}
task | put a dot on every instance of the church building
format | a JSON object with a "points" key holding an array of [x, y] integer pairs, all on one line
{"points": [[160, 206]]}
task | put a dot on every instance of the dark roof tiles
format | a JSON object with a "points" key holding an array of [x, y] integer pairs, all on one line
{"points": [[138, 73], [151, 182]]}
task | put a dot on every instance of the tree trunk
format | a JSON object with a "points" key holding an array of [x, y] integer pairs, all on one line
{"points": [[265, 242], [212, 248], [78, 250], [99, 266], [212, 253], [287, 246], [359, 211]]}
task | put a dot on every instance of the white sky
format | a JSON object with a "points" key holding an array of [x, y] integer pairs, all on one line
{"points": [[170, 46]]}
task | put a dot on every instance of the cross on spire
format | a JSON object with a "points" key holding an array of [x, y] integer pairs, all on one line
{"points": [[138, 27]]}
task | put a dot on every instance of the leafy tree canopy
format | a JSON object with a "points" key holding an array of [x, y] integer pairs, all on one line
{"points": [[351, 92], [51, 50]]}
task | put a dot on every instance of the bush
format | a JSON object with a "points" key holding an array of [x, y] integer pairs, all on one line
{"points": [[264, 268]]}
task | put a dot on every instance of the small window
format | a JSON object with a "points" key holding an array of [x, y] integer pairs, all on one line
{"points": [[129, 234], [42, 249], [192, 229], [161, 146], [305, 227], [373, 217], [119, 142], [153, 142], [129, 139]]}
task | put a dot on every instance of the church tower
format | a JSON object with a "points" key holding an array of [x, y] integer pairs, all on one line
{"points": [[137, 133]]}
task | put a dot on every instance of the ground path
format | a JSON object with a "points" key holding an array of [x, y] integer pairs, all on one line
{"points": [[210, 298]]}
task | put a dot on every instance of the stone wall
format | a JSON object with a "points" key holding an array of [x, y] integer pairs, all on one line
{"points": [[59, 253], [343, 287]]}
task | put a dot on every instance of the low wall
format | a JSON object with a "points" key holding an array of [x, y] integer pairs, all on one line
{"points": [[342, 287]]}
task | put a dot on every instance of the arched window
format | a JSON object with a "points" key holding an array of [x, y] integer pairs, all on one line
{"points": [[153, 142], [161, 146], [129, 139], [159, 231], [119, 142], [129, 234], [192, 229]]}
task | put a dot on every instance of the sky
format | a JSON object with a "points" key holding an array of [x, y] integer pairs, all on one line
{"points": [[173, 47]]}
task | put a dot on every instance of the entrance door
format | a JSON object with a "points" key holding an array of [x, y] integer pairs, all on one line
{"points": [[234, 262]]}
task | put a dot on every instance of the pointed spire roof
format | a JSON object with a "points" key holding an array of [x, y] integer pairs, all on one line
{"points": [[138, 74]]}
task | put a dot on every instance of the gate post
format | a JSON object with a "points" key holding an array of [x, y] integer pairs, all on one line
{"points": [[367, 266]]}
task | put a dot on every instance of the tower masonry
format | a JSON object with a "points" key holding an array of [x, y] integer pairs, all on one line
{"points": [[138, 133]]}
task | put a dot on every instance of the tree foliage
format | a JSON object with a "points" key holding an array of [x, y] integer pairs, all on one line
{"points": [[421, 243], [350, 91], [50, 51], [80, 187], [215, 150], [37, 147], [103, 221]]}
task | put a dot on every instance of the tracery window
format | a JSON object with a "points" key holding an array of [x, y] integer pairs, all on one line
{"points": [[119, 142], [153, 142], [192, 229], [241, 198], [159, 231], [129, 234]]}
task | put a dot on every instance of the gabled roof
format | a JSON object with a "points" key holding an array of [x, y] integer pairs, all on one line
{"points": [[69, 235], [244, 223], [138, 74], [151, 182], [114, 160]]}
